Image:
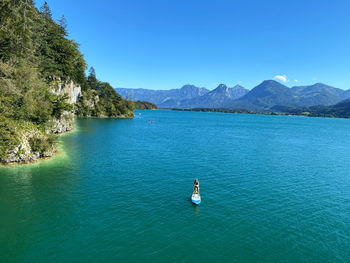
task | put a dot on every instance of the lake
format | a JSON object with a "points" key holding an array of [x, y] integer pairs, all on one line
{"points": [[274, 189]]}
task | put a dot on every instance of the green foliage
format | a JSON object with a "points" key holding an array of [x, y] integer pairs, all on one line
{"points": [[100, 99], [340, 110], [63, 58], [36, 54], [42, 144], [144, 105], [9, 137], [60, 105]]}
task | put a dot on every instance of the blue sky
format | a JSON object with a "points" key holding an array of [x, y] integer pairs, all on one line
{"points": [[163, 44]]}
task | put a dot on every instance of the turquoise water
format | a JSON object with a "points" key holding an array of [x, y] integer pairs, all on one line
{"points": [[274, 189]]}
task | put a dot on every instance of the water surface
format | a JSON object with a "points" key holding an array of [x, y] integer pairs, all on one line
{"points": [[274, 189]]}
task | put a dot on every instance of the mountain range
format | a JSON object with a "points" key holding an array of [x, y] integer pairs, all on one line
{"points": [[268, 96]]}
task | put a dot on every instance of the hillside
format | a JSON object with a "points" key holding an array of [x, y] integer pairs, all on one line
{"points": [[339, 110], [43, 83], [144, 105], [318, 94]]}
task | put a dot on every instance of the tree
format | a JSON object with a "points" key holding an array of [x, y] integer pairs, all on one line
{"points": [[92, 73], [63, 24], [46, 12]]}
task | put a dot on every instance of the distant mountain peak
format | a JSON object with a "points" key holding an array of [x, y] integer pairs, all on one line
{"points": [[271, 81], [189, 86], [237, 87], [221, 88]]}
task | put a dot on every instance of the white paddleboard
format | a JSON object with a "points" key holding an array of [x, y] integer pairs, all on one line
{"points": [[196, 199]]}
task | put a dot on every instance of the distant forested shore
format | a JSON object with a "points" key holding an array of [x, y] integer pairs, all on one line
{"points": [[144, 105], [317, 111]]}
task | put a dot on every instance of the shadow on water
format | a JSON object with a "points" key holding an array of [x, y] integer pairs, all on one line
{"points": [[196, 209]]}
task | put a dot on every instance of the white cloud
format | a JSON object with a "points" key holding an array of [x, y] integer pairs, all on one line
{"points": [[296, 80], [282, 78]]}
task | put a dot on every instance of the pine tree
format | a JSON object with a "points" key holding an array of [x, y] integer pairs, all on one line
{"points": [[46, 12], [63, 24], [92, 73]]}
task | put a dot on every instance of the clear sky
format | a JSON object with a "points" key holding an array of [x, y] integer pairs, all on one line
{"points": [[164, 44]]}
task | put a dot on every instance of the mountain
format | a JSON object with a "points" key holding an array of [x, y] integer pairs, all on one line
{"points": [[187, 92], [213, 99], [264, 96], [346, 94], [269, 95], [318, 94], [168, 98], [216, 98], [343, 104], [272, 95], [189, 96], [237, 92]]}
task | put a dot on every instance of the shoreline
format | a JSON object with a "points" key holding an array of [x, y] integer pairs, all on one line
{"points": [[59, 150], [254, 113], [103, 117]]}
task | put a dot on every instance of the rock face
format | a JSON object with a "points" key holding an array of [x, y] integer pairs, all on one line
{"points": [[66, 121], [91, 103], [63, 124], [73, 91]]}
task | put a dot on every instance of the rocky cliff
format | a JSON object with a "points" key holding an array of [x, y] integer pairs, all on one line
{"points": [[73, 91], [66, 121]]}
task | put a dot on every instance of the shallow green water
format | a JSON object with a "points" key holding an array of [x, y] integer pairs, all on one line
{"points": [[274, 189]]}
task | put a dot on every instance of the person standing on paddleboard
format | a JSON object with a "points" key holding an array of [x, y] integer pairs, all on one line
{"points": [[196, 186]]}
